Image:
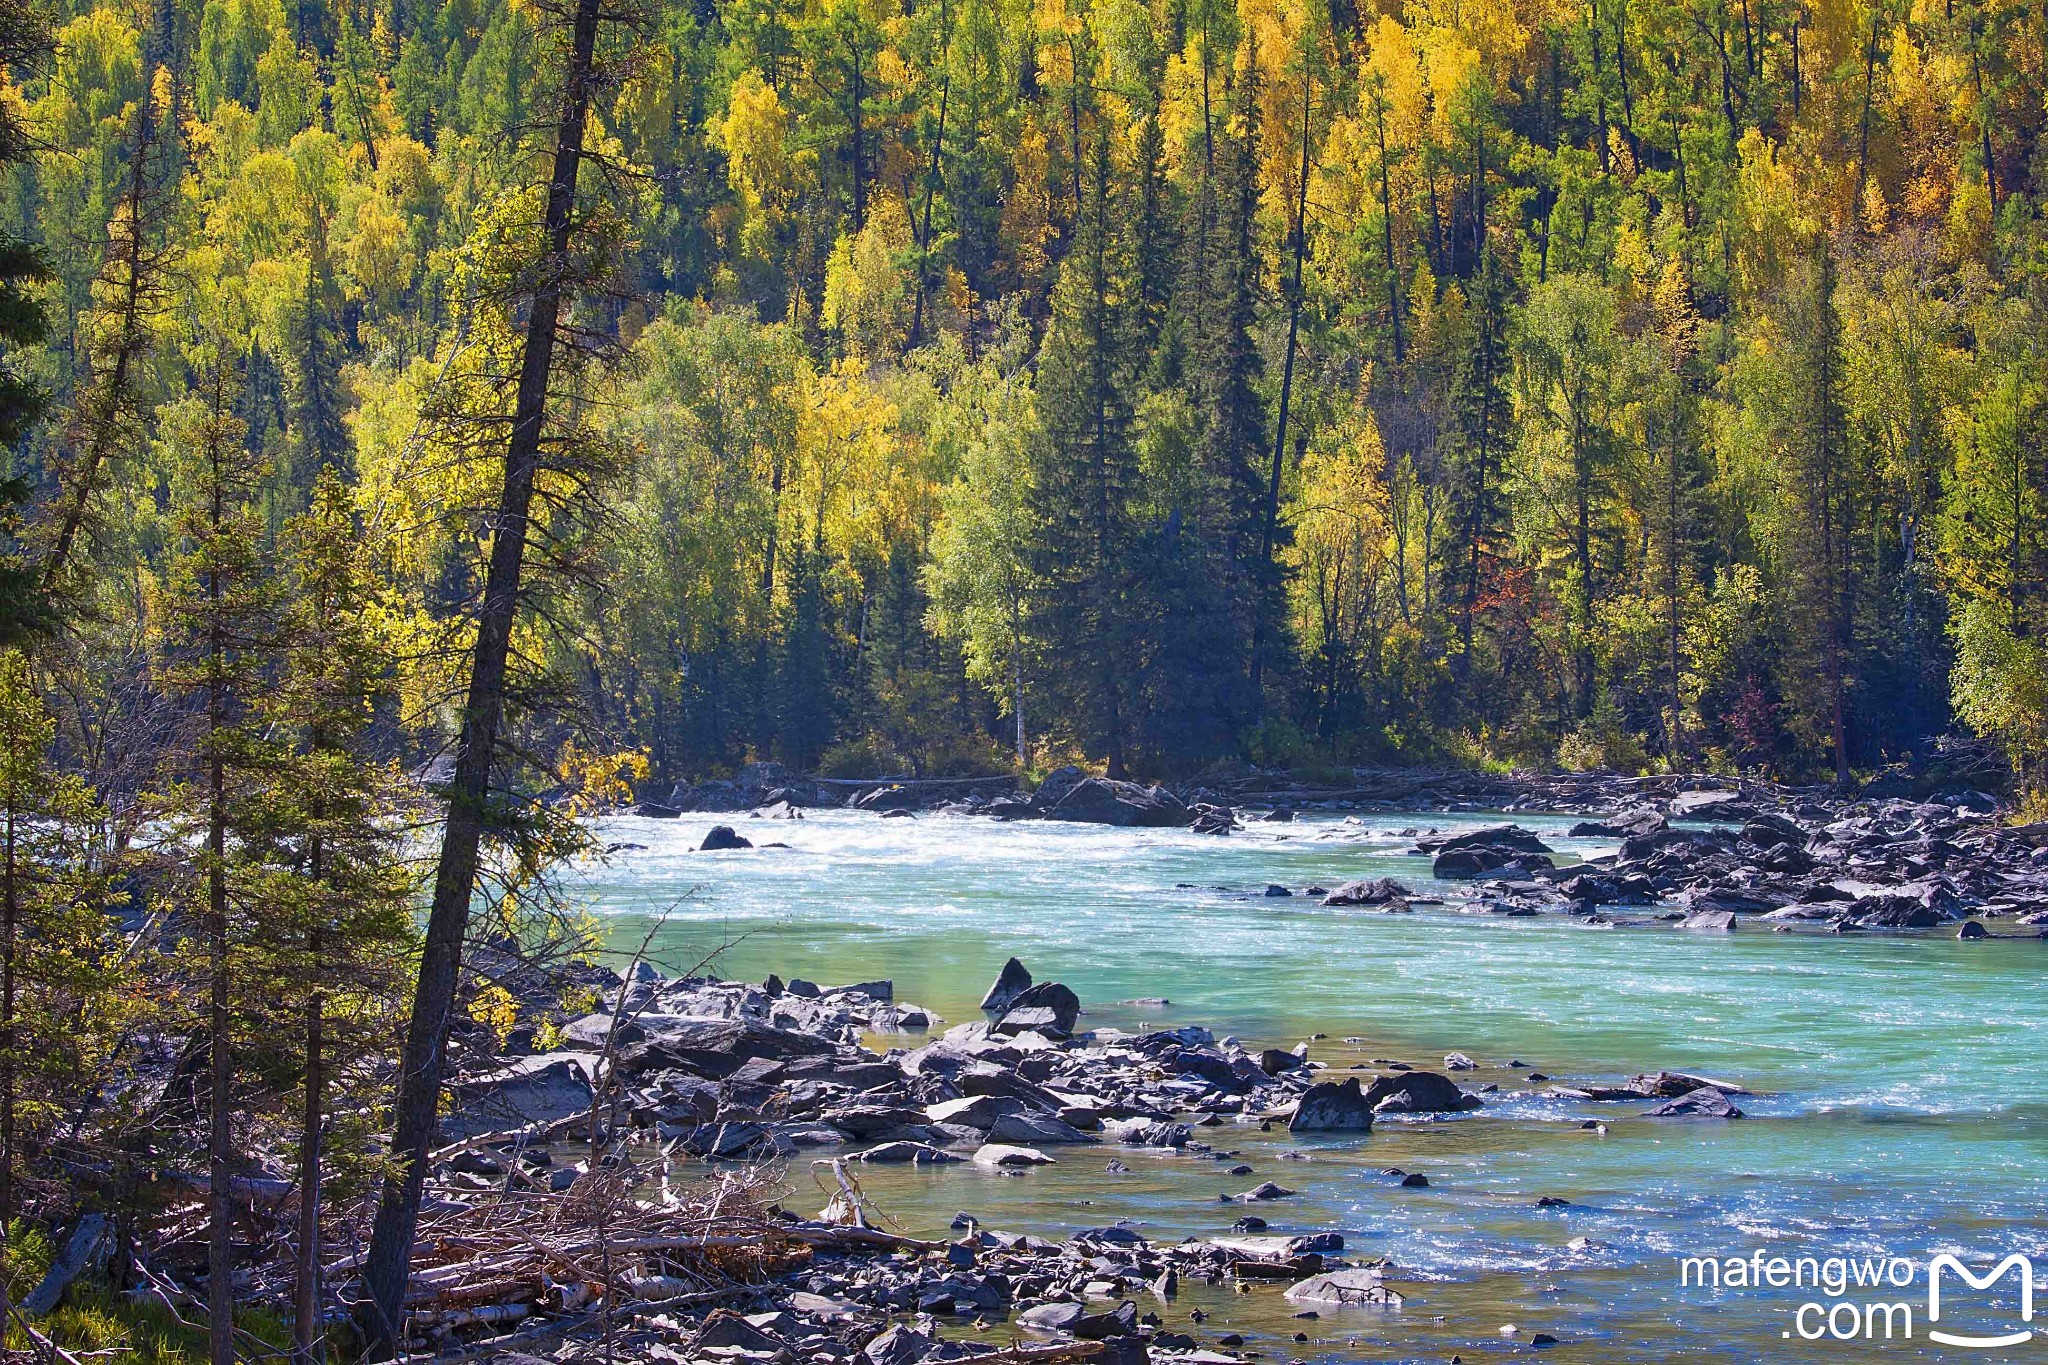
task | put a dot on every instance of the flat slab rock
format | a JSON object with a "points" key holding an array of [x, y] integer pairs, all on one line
{"points": [[1703, 1103], [1360, 1287], [1003, 1154]]}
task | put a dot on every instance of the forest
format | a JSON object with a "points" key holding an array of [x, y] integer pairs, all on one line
{"points": [[973, 384], [430, 421]]}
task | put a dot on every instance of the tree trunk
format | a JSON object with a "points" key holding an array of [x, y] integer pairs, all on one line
{"points": [[1379, 111], [306, 1275], [420, 1069], [101, 405], [1272, 526], [10, 912], [220, 1247]]}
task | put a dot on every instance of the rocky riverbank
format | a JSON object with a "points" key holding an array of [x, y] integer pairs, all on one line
{"points": [[766, 1084], [1716, 862]]}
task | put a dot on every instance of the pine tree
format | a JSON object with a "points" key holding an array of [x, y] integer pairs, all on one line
{"points": [[54, 930], [24, 39], [1228, 369], [1084, 468], [1479, 418], [220, 629], [109, 419], [1825, 493], [340, 916], [560, 271]]}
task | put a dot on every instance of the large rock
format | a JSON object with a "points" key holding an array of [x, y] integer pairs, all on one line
{"points": [[1332, 1107], [1417, 1092], [1034, 1129], [1057, 784], [1012, 981], [910, 1154], [1462, 864], [1712, 807], [1618, 827], [1359, 1286], [1051, 1317], [1101, 801], [1689, 841], [545, 1088], [1376, 891], [1894, 912], [1003, 1154], [713, 1047], [1512, 837], [721, 838], [902, 1344], [1049, 1008], [975, 1111], [1703, 1103]]}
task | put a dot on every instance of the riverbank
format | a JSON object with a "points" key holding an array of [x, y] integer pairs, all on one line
{"points": [[775, 1077]]}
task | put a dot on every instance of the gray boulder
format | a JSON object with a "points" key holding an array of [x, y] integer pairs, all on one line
{"points": [[1703, 1103], [1374, 891], [1012, 981], [1034, 1129], [1418, 1092], [722, 838], [545, 1088], [1332, 1107], [1049, 1008], [1102, 801]]}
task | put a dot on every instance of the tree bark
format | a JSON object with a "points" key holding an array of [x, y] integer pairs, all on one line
{"points": [[306, 1275], [1272, 526], [220, 1246], [421, 1063]]}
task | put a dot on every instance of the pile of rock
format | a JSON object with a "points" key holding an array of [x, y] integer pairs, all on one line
{"points": [[1886, 864], [733, 1071]]}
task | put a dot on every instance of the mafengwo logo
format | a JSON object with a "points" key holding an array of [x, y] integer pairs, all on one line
{"points": [[2015, 1263]]}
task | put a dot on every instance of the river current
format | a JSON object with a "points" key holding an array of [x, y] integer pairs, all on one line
{"points": [[1899, 1106]]}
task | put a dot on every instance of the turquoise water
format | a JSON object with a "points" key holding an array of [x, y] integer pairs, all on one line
{"points": [[1900, 1105]]}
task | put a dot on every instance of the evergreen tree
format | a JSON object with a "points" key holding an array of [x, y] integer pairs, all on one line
{"points": [[339, 905], [56, 954], [1083, 468], [1824, 491], [221, 631], [24, 39]]}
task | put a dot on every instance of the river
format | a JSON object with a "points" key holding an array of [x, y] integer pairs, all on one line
{"points": [[1899, 1107]]}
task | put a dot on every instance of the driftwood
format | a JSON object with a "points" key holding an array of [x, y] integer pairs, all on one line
{"points": [[86, 1248]]}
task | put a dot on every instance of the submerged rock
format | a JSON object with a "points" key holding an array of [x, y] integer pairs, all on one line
{"points": [[1704, 1103]]}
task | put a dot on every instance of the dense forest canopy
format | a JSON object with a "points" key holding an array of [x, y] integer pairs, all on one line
{"points": [[1629, 382]]}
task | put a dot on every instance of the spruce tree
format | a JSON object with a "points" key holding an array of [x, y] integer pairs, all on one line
{"points": [[340, 912], [55, 949], [220, 628], [1084, 470], [24, 37]]}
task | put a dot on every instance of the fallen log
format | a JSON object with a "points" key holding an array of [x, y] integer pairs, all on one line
{"points": [[86, 1248]]}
